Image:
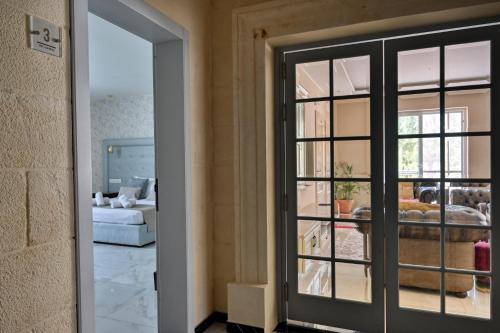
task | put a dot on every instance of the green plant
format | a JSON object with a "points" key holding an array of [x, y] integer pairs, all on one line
{"points": [[345, 190]]}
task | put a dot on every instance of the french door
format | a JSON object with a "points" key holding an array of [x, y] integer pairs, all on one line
{"points": [[334, 185], [442, 123], [416, 254]]}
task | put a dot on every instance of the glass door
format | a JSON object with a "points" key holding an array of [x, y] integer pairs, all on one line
{"points": [[442, 181], [334, 184]]}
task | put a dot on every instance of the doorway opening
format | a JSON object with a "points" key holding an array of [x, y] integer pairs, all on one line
{"points": [[153, 166], [123, 178]]}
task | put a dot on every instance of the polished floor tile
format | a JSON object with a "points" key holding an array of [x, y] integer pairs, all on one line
{"points": [[124, 288], [106, 325]]}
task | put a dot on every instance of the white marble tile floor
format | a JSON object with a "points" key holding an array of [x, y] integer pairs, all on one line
{"points": [[124, 289]]}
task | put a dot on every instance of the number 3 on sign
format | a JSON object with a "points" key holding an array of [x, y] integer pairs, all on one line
{"points": [[44, 36]]}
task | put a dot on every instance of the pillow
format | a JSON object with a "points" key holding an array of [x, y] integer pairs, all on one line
{"points": [[142, 183], [150, 188], [130, 192], [151, 196]]}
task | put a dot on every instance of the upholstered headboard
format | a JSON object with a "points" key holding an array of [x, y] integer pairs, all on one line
{"points": [[124, 158]]}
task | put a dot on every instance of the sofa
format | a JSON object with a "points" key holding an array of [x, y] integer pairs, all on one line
{"points": [[421, 245]]}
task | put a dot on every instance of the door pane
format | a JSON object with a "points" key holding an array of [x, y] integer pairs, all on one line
{"points": [[419, 158], [315, 277], [468, 157], [469, 295], [352, 240], [420, 246], [351, 76], [312, 120], [467, 64], [313, 199], [313, 159], [352, 200], [419, 289], [418, 69], [352, 159], [351, 117], [314, 238], [467, 110], [312, 79], [418, 114], [353, 282]]}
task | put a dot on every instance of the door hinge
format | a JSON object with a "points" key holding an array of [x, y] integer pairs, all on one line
{"points": [[283, 71], [285, 291], [285, 202], [284, 112]]}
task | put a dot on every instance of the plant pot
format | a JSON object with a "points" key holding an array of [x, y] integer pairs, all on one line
{"points": [[345, 206]]}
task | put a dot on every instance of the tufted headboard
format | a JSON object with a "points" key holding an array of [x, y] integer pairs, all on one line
{"points": [[124, 158]]}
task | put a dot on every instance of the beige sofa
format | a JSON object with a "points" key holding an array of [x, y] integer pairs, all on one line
{"points": [[421, 245]]}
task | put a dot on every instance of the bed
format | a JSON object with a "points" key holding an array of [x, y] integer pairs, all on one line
{"points": [[125, 159]]}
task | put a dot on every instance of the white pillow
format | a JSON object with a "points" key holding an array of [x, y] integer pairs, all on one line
{"points": [[130, 192], [150, 188]]}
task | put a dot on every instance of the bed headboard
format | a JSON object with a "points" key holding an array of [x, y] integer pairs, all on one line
{"points": [[124, 158]]}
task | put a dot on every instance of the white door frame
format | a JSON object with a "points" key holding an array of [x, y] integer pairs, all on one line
{"points": [[173, 157]]}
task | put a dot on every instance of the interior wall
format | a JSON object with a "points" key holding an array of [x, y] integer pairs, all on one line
{"points": [[194, 16], [37, 249], [117, 117]]}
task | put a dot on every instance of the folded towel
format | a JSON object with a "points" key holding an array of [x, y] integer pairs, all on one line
{"points": [[116, 203], [126, 202], [106, 202], [99, 199]]}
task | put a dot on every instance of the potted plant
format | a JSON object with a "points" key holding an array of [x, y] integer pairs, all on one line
{"points": [[345, 190]]}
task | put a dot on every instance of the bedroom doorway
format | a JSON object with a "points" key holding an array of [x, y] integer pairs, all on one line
{"points": [[123, 178], [125, 169]]}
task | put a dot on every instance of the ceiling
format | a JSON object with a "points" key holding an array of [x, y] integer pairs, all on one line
{"points": [[417, 69], [121, 63]]}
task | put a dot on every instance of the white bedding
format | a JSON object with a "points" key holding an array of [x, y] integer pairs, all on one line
{"points": [[120, 215]]}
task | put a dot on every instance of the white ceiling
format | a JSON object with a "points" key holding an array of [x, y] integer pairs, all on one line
{"points": [[121, 63], [417, 69]]}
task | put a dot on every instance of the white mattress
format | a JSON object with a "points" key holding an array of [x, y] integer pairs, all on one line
{"points": [[120, 215]]}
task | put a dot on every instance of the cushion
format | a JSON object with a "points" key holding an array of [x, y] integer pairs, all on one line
{"points": [[142, 183], [130, 192], [151, 196], [150, 188]]}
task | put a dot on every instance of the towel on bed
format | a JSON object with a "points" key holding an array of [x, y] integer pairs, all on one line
{"points": [[126, 202]]}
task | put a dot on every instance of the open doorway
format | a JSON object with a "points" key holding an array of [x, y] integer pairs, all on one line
{"points": [[169, 180], [123, 178]]}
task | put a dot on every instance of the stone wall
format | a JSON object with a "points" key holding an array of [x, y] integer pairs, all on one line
{"points": [[37, 251]]}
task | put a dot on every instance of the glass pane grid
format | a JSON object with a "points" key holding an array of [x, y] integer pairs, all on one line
{"points": [[454, 272]]}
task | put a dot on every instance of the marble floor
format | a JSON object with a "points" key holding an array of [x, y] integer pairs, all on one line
{"points": [[124, 289]]}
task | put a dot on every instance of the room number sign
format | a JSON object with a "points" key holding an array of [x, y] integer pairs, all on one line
{"points": [[44, 36]]}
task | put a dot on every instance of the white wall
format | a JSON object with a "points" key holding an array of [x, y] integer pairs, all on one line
{"points": [[118, 117]]}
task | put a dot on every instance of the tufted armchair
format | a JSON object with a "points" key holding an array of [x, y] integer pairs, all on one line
{"points": [[474, 197]]}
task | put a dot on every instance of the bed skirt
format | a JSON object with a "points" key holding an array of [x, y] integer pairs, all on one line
{"points": [[124, 234]]}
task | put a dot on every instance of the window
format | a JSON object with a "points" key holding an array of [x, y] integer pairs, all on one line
{"points": [[420, 157]]}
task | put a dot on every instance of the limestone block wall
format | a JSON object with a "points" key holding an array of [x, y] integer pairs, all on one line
{"points": [[37, 252]]}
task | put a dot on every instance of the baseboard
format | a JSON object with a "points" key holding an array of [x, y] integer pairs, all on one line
{"points": [[239, 328], [216, 317]]}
